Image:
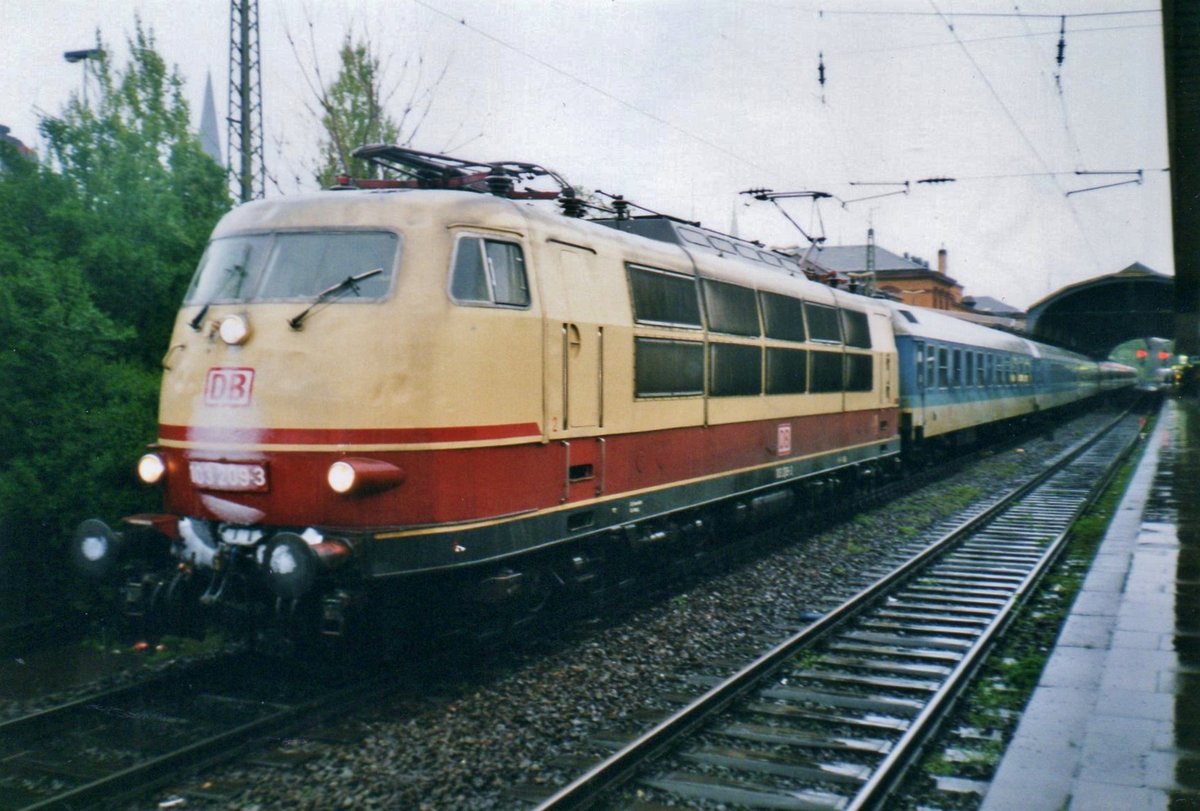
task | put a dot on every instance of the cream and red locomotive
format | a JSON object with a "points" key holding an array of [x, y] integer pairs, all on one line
{"points": [[372, 392]]}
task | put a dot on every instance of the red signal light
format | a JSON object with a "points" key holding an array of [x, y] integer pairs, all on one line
{"points": [[1163, 354], [1141, 353]]}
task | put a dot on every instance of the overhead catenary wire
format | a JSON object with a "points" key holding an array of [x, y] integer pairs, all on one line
{"points": [[594, 88], [1024, 136]]}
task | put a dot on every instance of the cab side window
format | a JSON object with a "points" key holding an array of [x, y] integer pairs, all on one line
{"points": [[489, 271]]}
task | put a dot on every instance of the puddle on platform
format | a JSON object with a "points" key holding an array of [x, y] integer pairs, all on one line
{"points": [[1175, 498]]}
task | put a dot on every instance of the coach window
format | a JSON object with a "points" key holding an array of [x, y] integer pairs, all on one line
{"points": [[736, 370], [787, 371], [822, 323], [856, 330], [943, 367], [860, 372], [666, 299], [488, 271], [665, 368], [826, 372], [969, 377], [731, 309], [783, 316]]}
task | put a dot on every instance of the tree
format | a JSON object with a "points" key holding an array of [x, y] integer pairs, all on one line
{"points": [[356, 107], [149, 192], [353, 114], [96, 247]]}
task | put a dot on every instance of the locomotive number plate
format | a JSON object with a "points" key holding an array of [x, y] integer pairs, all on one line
{"points": [[247, 478]]}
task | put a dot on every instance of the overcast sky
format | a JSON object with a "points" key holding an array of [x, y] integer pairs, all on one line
{"points": [[681, 104]]}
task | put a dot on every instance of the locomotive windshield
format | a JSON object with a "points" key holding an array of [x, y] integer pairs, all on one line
{"points": [[292, 266]]}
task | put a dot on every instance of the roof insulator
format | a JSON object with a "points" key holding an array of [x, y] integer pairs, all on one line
{"points": [[572, 206], [499, 185]]}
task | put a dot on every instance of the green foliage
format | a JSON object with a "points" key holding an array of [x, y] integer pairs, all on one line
{"points": [[96, 247], [353, 114], [148, 193]]}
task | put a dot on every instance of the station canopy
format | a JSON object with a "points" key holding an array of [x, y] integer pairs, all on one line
{"points": [[1095, 316]]}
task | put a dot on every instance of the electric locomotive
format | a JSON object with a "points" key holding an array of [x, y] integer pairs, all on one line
{"points": [[369, 391]]}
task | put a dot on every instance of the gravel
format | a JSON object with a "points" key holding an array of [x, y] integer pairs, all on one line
{"points": [[493, 732]]}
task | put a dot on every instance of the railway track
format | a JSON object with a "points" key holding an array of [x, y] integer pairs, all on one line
{"points": [[831, 718], [122, 742]]}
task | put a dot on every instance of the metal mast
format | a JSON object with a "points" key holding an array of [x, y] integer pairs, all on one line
{"points": [[245, 128]]}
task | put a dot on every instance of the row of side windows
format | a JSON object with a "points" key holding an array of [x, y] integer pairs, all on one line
{"points": [[942, 367], [665, 367], [661, 298]]}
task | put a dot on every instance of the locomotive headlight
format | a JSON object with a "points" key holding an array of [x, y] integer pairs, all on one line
{"points": [[361, 476], [150, 468], [341, 477], [234, 330]]}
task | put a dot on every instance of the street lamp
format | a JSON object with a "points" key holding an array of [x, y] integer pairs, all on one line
{"points": [[83, 56]]}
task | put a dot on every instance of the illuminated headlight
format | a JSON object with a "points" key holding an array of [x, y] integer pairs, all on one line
{"points": [[362, 476], [341, 477], [234, 330], [150, 468]]}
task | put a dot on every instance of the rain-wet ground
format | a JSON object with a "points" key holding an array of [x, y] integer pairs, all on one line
{"points": [[1115, 721]]}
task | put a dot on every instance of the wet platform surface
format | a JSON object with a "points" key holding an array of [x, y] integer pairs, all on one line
{"points": [[1115, 721]]}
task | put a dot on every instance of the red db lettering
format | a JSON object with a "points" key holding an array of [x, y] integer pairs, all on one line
{"points": [[228, 387]]}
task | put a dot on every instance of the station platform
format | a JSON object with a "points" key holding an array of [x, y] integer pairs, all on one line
{"points": [[1115, 720]]}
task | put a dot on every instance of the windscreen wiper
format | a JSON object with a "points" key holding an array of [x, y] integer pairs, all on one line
{"points": [[348, 283], [232, 272]]}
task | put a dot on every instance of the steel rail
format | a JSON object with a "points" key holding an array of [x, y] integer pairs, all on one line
{"points": [[589, 788], [889, 773], [158, 767]]}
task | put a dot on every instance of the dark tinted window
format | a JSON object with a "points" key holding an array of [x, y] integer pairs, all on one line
{"points": [[665, 368], [859, 372], [488, 271], [731, 309], [855, 328], [736, 370], [783, 316], [663, 298], [787, 371], [826, 371], [822, 323]]}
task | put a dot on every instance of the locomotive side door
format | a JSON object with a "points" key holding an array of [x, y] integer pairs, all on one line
{"points": [[574, 364], [581, 343]]}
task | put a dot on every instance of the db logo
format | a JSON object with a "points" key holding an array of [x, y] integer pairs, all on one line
{"points": [[228, 387], [783, 439]]}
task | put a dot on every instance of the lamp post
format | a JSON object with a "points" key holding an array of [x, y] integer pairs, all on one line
{"points": [[83, 56]]}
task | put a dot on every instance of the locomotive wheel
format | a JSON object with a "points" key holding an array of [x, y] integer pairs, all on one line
{"points": [[538, 591]]}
